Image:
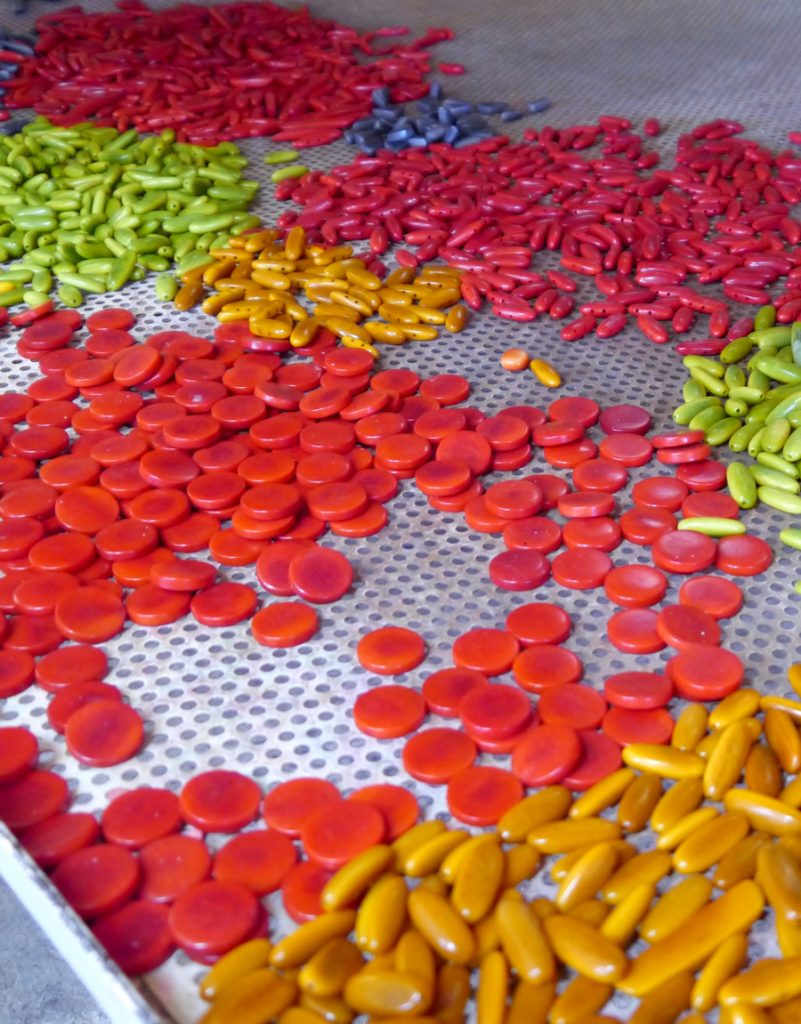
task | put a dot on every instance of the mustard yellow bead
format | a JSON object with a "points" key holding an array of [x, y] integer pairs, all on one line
{"points": [[727, 761], [531, 1003], [763, 773], [690, 727], [665, 1003], [398, 276], [564, 836], [742, 703], [363, 278], [581, 997], [679, 800], [788, 936], [587, 875], [522, 862], [644, 869], [638, 802], [428, 857], [603, 794], [435, 919], [451, 865], [388, 334], [306, 939], [413, 955], [546, 805], [710, 843], [234, 965], [478, 882], [724, 963], [624, 918], [592, 911], [188, 295], [420, 332], [453, 991], [456, 319], [586, 949], [675, 906], [302, 334], [388, 993], [783, 739], [331, 1008], [740, 863], [327, 971], [416, 836], [765, 983], [260, 995], [300, 1015], [524, 941], [487, 938], [545, 373], [791, 707], [352, 301], [381, 915], [295, 243], [271, 279], [493, 989], [764, 812], [779, 874], [791, 794], [663, 761], [794, 677], [270, 327], [684, 827], [691, 944]]}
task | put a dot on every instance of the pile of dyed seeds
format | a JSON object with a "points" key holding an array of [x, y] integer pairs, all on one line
{"points": [[434, 118], [756, 410], [404, 922], [721, 215], [89, 208], [295, 77], [631, 846], [14, 48], [179, 434], [258, 279]]}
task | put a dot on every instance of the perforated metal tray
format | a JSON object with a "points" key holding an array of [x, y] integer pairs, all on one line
{"points": [[214, 698]]}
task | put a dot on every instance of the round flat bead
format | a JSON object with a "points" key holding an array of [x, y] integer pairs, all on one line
{"points": [[542, 666]]}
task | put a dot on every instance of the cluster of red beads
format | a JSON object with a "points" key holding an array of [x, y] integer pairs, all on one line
{"points": [[648, 237], [145, 875], [216, 73], [574, 733]]}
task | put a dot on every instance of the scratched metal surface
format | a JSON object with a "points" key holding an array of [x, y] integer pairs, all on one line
{"points": [[213, 698]]}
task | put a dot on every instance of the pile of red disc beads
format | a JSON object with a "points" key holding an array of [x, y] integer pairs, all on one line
{"points": [[216, 73], [93, 530], [179, 434], [144, 875]]}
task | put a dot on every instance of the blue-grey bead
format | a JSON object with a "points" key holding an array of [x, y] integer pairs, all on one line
{"points": [[458, 107], [400, 135], [436, 133]]}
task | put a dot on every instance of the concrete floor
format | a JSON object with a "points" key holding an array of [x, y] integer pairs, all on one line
{"points": [[37, 985]]}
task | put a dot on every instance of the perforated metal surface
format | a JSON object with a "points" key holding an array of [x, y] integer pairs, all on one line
{"points": [[215, 698]]}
